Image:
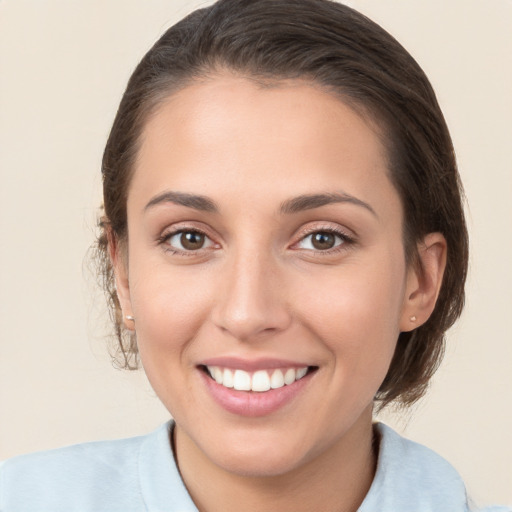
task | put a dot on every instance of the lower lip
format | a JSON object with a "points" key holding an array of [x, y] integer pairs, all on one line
{"points": [[253, 403]]}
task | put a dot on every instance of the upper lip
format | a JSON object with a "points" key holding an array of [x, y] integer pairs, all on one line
{"points": [[252, 365]]}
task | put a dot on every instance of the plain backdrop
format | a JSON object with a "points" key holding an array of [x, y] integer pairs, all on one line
{"points": [[63, 67]]}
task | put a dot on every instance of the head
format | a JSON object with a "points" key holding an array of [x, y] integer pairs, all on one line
{"points": [[332, 48]]}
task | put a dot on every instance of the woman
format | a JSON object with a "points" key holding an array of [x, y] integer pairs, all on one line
{"points": [[284, 246]]}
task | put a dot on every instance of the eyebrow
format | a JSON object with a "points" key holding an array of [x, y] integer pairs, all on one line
{"points": [[197, 202], [290, 206], [310, 201]]}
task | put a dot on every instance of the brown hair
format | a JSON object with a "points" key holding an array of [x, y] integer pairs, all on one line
{"points": [[332, 45]]}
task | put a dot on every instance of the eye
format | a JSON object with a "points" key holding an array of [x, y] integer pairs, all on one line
{"points": [[321, 241], [188, 240]]}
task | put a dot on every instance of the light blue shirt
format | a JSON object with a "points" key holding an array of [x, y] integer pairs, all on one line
{"points": [[140, 474]]}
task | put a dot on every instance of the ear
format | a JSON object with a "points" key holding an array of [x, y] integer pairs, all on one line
{"points": [[424, 279], [119, 263]]}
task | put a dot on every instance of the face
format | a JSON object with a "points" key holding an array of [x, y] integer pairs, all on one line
{"points": [[265, 270]]}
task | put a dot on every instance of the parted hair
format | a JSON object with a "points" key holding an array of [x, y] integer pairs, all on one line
{"points": [[336, 47]]}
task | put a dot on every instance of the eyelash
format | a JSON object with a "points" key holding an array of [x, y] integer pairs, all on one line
{"points": [[346, 240], [164, 239]]}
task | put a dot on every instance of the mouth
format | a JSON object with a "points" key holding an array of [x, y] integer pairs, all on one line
{"points": [[259, 381]]}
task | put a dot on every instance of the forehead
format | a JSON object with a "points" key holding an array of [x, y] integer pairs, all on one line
{"points": [[289, 138]]}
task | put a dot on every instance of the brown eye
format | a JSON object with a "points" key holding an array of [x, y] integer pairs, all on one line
{"points": [[189, 241], [192, 240], [322, 241]]}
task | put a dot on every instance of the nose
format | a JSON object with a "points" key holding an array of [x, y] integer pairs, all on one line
{"points": [[252, 301]]}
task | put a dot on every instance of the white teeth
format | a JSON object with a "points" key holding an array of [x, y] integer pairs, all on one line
{"points": [[217, 375], [277, 379], [300, 373], [289, 376], [242, 380], [260, 381], [227, 378]]}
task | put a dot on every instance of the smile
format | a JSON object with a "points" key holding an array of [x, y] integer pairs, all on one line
{"points": [[259, 381]]}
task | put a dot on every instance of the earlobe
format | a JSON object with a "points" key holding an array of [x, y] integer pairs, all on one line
{"points": [[424, 282], [119, 264]]}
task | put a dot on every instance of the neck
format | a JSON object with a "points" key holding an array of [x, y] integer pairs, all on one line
{"points": [[337, 480]]}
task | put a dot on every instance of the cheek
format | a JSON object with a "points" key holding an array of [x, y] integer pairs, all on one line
{"points": [[356, 313], [170, 308]]}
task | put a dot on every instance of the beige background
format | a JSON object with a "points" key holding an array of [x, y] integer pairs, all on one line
{"points": [[63, 67]]}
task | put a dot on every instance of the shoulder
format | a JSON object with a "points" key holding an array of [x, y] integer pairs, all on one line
{"points": [[412, 475], [410, 462], [91, 476], [84, 455]]}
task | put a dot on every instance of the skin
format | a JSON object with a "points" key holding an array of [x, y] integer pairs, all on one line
{"points": [[258, 288]]}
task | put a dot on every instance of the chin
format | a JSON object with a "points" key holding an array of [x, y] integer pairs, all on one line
{"points": [[260, 465]]}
